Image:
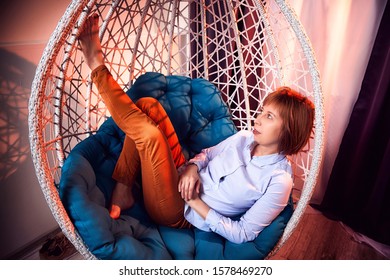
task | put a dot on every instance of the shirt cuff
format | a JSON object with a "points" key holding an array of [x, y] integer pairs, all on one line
{"points": [[212, 219]]}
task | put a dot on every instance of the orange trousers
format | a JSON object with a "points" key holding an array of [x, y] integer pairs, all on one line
{"points": [[150, 143]]}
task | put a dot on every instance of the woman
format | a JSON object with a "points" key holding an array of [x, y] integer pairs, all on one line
{"points": [[246, 176]]}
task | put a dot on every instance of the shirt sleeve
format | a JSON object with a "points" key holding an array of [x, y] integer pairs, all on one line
{"points": [[260, 215]]}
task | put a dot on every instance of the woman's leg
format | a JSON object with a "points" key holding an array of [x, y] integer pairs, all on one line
{"points": [[128, 164], [126, 170], [159, 174], [155, 111]]}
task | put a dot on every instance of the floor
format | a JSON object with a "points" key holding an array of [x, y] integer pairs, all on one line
{"points": [[315, 238], [319, 238], [65, 251]]}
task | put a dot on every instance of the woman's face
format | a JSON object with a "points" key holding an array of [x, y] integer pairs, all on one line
{"points": [[267, 130]]}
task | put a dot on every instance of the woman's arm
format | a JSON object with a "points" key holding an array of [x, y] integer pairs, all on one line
{"points": [[199, 206], [189, 181], [260, 215]]}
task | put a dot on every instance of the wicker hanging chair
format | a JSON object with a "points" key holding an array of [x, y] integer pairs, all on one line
{"points": [[246, 48]]}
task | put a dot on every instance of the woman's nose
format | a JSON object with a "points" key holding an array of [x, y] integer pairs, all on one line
{"points": [[258, 120]]}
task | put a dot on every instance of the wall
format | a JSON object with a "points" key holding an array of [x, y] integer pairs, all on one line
{"points": [[25, 29]]}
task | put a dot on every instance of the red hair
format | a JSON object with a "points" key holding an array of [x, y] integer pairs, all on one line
{"points": [[297, 113]]}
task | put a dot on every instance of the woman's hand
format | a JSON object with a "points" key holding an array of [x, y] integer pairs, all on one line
{"points": [[189, 183], [189, 187]]}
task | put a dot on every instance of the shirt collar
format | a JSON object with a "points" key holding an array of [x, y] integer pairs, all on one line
{"points": [[262, 160], [267, 159]]}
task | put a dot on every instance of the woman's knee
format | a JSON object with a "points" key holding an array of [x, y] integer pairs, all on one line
{"points": [[156, 135], [150, 106]]}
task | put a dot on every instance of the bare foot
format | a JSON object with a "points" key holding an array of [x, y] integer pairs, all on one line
{"points": [[90, 42], [122, 198]]}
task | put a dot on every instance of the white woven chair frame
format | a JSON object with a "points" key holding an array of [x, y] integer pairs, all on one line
{"points": [[245, 58]]}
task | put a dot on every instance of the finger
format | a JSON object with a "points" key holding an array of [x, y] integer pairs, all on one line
{"points": [[189, 191], [186, 192], [198, 186], [184, 189], [181, 189], [179, 184], [191, 194]]}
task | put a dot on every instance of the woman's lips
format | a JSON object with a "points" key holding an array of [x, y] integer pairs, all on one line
{"points": [[256, 132]]}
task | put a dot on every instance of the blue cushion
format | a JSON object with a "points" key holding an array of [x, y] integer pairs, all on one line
{"points": [[124, 238], [199, 115], [213, 246], [201, 119]]}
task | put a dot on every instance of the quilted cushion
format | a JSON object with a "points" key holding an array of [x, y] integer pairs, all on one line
{"points": [[201, 119], [199, 115]]}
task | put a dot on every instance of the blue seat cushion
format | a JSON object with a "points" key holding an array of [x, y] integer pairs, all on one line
{"points": [[201, 119]]}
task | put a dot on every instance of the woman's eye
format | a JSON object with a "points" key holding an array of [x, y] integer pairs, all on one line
{"points": [[269, 116]]}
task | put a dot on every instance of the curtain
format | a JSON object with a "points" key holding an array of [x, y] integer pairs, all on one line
{"points": [[342, 34], [358, 191]]}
